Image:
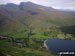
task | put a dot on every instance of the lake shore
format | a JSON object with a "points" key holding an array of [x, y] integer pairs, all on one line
{"points": [[45, 45]]}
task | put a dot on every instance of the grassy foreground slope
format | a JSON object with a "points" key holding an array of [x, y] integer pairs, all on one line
{"points": [[6, 49]]}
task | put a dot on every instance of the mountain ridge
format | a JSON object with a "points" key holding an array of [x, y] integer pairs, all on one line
{"points": [[37, 16]]}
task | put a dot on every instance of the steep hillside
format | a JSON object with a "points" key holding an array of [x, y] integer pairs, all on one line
{"points": [[9, 26], [38, 17]]}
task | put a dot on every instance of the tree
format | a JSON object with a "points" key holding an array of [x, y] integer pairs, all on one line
{"points": [[69, 36], [30, 28], [61, 36]]}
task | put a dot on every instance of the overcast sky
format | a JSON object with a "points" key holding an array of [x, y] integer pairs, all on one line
{"points": [[58, 4]]}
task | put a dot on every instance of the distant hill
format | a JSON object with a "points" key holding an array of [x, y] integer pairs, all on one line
{"points": [[40, 18]]}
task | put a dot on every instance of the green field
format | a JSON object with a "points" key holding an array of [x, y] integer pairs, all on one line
{"points": [[7, 49]]}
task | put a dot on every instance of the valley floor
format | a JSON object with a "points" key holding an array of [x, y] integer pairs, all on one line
{"points": [[7, 49]]}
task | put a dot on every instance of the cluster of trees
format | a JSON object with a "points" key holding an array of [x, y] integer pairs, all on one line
{"points": [[58, 34]]}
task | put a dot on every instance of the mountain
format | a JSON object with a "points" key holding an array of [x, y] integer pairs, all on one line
{"points": [[9, 25], [37, 17]]}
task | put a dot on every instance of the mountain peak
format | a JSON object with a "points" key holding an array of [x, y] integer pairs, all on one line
{"points": [[34, 5], [26, 3], [29, 2]]}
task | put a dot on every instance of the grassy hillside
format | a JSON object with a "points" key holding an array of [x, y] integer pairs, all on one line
{"points": [[36, 17], [6, 49], [10, 27]]}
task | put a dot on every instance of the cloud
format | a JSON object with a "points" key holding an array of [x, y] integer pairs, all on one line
{"points": [[58, 4], [10, 1]]}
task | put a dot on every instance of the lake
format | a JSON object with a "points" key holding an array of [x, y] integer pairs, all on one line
{"points": [[57, 45]]}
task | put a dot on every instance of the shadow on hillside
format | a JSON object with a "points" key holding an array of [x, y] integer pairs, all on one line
{"points": [[68, 30]]}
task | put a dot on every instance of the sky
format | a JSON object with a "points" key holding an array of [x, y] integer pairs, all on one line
{"points": [[57, 4]]}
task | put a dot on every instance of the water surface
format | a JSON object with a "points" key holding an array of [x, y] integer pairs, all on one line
{"points": [[57, 45]]}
